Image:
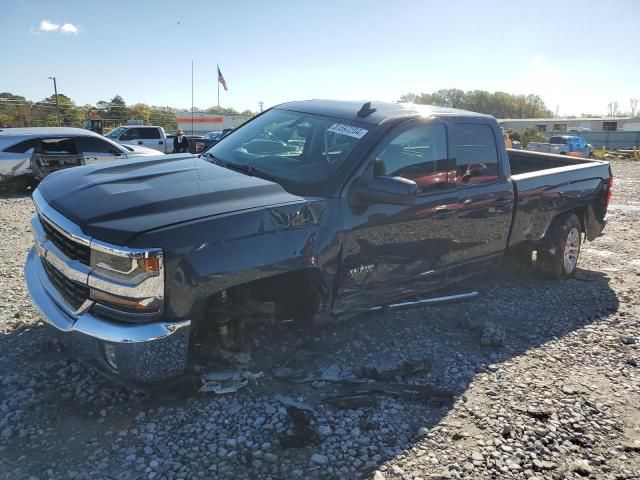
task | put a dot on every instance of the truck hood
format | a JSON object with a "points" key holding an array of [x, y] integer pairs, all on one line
{"points": [[138, 151], [116, 201]]}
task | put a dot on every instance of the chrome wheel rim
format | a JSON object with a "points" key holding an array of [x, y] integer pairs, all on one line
{"points": [[571, 250]]}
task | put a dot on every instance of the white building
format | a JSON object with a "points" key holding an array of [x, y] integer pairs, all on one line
{"points": [[586, 124], [202, 123]]}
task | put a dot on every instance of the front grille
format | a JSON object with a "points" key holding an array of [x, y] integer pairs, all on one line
{"points": [[73, 250], [73, 293]]}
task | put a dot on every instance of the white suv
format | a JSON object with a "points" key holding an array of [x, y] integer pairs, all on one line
{"points": [[27, 153]]}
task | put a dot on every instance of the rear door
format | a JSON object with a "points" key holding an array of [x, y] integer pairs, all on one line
{"points": [[151, 137], [485, 198], [96, 150], [390, 251], [55, 153]]}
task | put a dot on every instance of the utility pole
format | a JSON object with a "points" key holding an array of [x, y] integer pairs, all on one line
{"points": [[55, 89], [261, 104], [191, 97]]}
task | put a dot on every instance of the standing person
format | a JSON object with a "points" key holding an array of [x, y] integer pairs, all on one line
{"points": [[180, 142]]}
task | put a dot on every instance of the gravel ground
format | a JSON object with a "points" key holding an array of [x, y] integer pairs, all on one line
{"points": [[544, 377]]}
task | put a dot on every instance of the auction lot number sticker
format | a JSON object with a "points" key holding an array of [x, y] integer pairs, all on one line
{"points": [[348, 130]]}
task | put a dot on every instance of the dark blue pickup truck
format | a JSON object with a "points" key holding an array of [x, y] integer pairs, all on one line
{"points": [[313, 208]]}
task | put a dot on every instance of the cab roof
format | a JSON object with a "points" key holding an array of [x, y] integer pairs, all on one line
{"points": [[53, 131], [348, 110]]}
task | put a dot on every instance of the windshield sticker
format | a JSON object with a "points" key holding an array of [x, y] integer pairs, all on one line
{"points": [[348, 130]]}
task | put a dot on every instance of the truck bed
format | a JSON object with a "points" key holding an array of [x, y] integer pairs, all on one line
{"points": [[523, 161], [546, 185]]}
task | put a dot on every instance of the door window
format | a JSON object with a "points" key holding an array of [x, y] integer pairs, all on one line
{"points": [[131, 134], [95, 145], [23, 147], [149, 133], [418, 154], [58, 146], [476, 154]]}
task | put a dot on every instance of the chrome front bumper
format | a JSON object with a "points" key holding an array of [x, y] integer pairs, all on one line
{"points": [[140, 352], [143, 353]]}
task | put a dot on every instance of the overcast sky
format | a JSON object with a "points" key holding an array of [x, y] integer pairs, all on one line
{"points": [[578, 55]]}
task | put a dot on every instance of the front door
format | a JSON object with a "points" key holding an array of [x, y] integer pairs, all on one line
{"points": [[394, 251], [96, 150]]}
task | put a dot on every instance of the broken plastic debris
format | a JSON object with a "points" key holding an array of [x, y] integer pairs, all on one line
{"points": [[228, 381]]}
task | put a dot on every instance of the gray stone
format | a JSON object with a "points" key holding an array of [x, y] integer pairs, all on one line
{"points": [[319, 459]]}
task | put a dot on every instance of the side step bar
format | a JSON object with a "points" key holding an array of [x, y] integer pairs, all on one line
{"points": [[427, 301]]}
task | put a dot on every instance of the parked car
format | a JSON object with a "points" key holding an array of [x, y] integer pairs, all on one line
{"points": [[384, 201], [211, 138], [562, 145], [36, 152], [148, 136], [144, 135], [207, 140]]}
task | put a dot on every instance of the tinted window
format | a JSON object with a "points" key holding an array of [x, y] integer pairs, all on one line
{"points": [[149, 133], [58, 146], [131, 134], [476, 154], [23, 147], [94, 145], [418, 154], [558, 140], [116, 132]]}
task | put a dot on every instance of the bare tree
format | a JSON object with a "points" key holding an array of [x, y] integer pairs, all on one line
{"points": [[634, 105], [613, 109]]}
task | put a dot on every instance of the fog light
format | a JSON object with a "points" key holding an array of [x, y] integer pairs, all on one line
{"points": [[110, 355]]}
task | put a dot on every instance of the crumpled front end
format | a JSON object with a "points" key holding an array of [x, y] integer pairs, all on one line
{"points": [[63, 285]]}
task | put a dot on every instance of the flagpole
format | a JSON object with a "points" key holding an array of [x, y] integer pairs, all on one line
{"points": [[191, 97], [218, 82]]}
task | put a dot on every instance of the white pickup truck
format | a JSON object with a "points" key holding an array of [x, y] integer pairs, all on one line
{"points": [[143, 135], [147, 136]]}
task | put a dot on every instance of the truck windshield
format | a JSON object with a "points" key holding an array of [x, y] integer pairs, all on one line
{"points": [[115, 133], [558, 140], [293, 147]]}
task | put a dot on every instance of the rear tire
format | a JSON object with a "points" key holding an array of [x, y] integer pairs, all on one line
{"points": [[558, 257]]}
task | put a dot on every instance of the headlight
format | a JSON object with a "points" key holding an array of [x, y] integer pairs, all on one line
{"points": [[129, 269], [130, 280]]}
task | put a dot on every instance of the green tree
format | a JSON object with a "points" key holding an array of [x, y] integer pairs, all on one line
{"points": [[15, 110], [498, 104], [164, 117], [117, 110], [531, 134], [141, 111], [222, 111]]}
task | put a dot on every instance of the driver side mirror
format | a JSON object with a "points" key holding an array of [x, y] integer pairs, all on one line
{"points": [[391, 190]]}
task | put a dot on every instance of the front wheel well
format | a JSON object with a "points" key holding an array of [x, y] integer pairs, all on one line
{"points": [[295, 294]]}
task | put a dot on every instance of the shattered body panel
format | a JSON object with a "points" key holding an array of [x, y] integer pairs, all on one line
{"points": [[14, 164]]}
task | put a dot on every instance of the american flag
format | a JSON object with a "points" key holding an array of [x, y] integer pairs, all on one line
{"points": [[221, 79]]}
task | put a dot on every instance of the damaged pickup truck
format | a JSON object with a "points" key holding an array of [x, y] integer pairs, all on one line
{"points": [[313, 207]]}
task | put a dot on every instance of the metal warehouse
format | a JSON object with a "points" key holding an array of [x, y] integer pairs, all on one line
{"points": [[585, 124], [607, 132]]}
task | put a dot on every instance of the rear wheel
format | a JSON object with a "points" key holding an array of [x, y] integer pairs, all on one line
{"points": [[558, 257]]}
